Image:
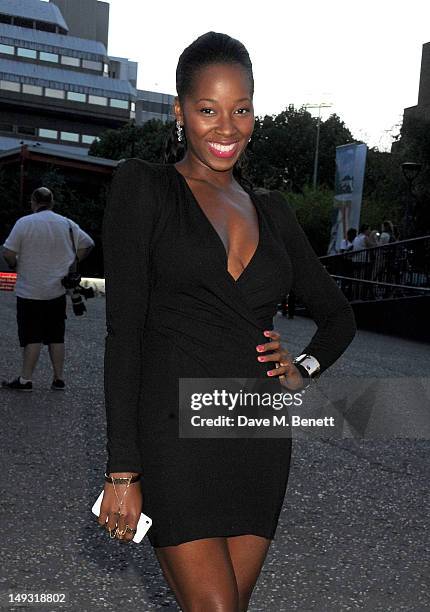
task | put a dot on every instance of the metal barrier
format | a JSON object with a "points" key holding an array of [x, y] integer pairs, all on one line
{"points": [[398, 269]]}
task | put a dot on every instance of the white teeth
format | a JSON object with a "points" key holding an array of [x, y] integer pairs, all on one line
{"points": [[220, 147]]}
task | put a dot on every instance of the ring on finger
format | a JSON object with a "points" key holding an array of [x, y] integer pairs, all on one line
{"points": [[121, 532]]}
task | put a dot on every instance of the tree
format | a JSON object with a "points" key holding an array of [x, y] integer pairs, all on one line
{"points": [[144, 141], [283, 149]]}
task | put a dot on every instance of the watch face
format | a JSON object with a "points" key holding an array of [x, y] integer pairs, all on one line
{"points": [[311, 364], [303, 371]]}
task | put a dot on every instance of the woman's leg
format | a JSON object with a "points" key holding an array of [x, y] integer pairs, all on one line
{"points": [[247, 553], [201, 575]]}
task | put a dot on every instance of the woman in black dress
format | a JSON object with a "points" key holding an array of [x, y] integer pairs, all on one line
{"points": [[196, 263]]}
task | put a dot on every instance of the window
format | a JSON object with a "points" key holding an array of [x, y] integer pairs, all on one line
{"points": [[10, 85], [44, 133], [76, 97], [119, 103], [48, 57], [155, 107], [46, 27], [87, 139], [34, 90], [133, 107], [7, 49], [22, 22], [69, 136], [70, 61], [92, 65], [54, 93], [27, 53], [106, 69], [25, 129], [97, 100]]}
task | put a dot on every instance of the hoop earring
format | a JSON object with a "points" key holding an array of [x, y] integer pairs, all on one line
{"points": [[179, 131]]}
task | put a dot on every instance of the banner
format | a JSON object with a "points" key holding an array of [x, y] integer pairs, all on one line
{"points": [[349, 178]]}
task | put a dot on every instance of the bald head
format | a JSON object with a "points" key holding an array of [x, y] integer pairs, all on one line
{"points": [[42, 196]]}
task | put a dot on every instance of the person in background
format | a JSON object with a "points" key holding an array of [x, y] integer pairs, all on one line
{"points": [[39, 247], [361, 241], [346, 244], [396, 233], [373, 238], [387, 234]]}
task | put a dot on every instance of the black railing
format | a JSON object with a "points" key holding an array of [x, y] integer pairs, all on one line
{"points": [[394, 270]]}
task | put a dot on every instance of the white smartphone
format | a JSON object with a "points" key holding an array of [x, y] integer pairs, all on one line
{"points": [[142, 526]]}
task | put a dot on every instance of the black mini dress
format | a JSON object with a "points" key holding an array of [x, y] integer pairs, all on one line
{"points": [[173, 310]]}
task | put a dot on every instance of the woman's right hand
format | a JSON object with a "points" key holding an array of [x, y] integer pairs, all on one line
{"points": [[130, 510]]}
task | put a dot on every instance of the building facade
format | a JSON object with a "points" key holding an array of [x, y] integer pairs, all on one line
{"points": [[86, 18], [422, 109], [58, 85]]}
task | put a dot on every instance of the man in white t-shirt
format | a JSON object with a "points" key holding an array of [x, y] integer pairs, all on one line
{"points": [[40, 248], [361, 241]]}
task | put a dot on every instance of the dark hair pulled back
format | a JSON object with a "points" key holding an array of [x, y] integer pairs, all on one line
{"points": [[207, 49]]}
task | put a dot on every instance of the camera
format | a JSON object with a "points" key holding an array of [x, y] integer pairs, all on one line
{"points": [[71, 280], [76, 294]]}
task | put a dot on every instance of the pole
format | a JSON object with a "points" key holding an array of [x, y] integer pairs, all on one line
{"points": [[23, 156], [317, 144], [314, 182]]}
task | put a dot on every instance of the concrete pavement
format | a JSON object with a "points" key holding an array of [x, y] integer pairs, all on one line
{"points": [[353, 532]]}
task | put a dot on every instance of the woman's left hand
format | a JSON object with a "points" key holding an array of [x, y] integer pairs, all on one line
{"points": [[285, 370]]}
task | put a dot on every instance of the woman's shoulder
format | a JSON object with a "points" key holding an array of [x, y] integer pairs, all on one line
{"points": [[275, 200], [139, 187], [135, 168], [143, 165]]}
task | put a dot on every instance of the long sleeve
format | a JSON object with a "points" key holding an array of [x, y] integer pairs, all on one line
{"points": [[313, 285], [128, 223]]}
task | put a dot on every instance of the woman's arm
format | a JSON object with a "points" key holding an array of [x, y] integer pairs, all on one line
{"points": [[314, 286], [128, 223]]}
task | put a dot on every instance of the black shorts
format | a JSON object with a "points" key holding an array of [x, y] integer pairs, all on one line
{"points": [[41, 320]]}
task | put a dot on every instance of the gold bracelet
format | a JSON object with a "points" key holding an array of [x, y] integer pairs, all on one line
{"points": [[122, 479]]}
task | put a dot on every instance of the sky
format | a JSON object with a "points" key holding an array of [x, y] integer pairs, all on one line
{"points": [[363, 57]]}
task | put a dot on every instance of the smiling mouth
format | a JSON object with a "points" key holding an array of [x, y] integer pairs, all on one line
{"points": [[222, 147], [223, 150]]}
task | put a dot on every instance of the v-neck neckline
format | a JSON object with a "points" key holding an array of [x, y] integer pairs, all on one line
{"points": [[215, 233]]}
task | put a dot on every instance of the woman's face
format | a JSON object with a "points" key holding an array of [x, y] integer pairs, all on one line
{"points": [[218, 116]]}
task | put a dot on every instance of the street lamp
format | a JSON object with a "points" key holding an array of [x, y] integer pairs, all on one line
{"points": [[319, 107], [410, 171]]}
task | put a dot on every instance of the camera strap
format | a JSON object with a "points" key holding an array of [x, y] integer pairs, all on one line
{"points": [[73, 267]]}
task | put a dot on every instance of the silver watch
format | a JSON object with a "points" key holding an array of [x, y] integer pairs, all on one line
{"points": [[309, 365]]}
